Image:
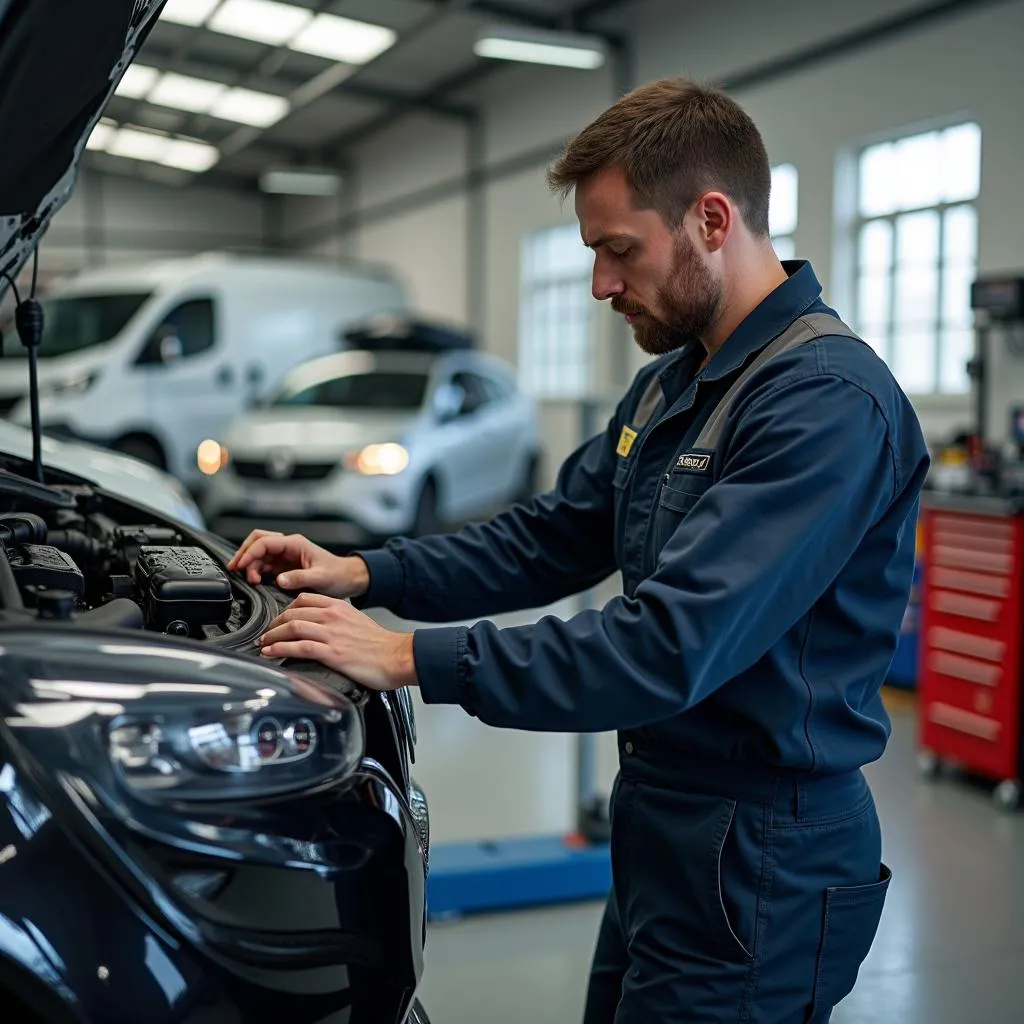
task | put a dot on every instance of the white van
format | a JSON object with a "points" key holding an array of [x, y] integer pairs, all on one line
{"points": [[151, 360]]}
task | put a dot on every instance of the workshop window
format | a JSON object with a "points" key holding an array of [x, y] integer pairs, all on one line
{"points": [[916, 255], [782, 210], [556, 314]]}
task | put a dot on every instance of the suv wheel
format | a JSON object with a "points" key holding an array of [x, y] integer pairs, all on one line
{"points": [[427, 520]]}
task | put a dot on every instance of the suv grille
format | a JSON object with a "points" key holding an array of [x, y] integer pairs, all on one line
{"points": [[251, 470]]}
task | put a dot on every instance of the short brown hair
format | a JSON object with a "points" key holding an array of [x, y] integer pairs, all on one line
{"points": [[675, 139]]}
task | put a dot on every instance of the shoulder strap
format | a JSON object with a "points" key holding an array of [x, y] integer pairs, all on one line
{"points": [[807, 328]]}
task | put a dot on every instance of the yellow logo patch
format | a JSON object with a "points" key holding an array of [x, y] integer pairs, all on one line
{"points": [[626, 439]]}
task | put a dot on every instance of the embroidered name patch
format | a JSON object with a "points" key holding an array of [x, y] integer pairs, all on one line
{"points": [[694, 462], [626, 439]]}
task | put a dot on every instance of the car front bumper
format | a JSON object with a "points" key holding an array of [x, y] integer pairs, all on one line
{"points": [[103, 922], [345, 508]]}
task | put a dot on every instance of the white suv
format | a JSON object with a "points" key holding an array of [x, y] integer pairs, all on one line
{"points": [[365, 444]]}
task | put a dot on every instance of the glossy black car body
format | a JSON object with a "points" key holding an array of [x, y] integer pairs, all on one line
{"points": [[188, 833]]}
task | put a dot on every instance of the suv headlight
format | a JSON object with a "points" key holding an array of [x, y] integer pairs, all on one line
{"points": [[161, 724]]}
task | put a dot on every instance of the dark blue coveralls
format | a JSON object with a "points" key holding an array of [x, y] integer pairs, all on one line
{"points": [[764, 590]]}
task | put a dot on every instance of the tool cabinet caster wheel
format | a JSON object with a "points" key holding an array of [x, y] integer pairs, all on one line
{"points": [[1007, 795], [928, 764]]}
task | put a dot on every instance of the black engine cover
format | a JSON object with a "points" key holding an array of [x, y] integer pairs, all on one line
{"points": [[179, 584], [46, 567]]}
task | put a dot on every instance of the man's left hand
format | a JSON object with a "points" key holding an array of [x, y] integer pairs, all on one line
{"points": [[332, 632]]}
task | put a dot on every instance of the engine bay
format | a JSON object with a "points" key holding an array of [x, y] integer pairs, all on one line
{"points": [[73, 554]]}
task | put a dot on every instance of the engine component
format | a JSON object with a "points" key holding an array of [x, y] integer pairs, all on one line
{"points": [[117, 614], [55, 604], [44, 567], [181, 583], [21, 527], [130, 540]]}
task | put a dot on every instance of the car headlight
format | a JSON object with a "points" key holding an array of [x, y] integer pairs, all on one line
{"points": [[161, 724], [379, 459], [70, 385], [211, 457]]}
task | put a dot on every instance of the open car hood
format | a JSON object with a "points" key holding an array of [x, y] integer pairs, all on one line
{"points": [[59, 64]]}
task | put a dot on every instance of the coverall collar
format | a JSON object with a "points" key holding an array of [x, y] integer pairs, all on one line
{"points": [[771, 317]]}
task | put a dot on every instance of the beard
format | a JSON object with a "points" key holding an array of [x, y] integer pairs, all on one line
{"points": [[689, 303]]}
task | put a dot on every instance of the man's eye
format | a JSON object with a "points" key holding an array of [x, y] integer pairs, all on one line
{"points": [[621, 254]]}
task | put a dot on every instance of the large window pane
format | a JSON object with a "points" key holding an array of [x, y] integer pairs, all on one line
{"points": [[879, 191], [873, 300], [782, 209], [957, 348], [784, 248], [960, 235], [956, 295], [875, 246], [913, 361], [917, 169], [917, 296], [917, 239], [961, 162]]}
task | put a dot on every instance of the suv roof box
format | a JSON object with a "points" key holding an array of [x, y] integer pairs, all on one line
{"points": [[399, 333]]}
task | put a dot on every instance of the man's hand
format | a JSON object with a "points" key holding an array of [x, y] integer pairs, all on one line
{"points": [[300, 565], [335, 634]]}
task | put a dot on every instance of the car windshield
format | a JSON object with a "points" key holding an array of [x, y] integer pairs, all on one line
{"points": [[77, 322], [385, 390]]}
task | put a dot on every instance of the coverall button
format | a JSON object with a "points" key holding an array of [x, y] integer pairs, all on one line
{"points": [[629, 748]]}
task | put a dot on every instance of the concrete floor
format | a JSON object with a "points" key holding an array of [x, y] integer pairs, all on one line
{"points": [[950, 949]]}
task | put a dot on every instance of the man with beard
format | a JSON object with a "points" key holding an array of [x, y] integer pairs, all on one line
{"points": [[757, 488]]}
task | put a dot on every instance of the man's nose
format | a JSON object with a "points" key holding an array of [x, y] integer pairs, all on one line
{"points": [[606, 285]]}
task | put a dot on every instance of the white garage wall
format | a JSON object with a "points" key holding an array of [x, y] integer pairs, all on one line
{"points": [[114, 219], [427, 249]]}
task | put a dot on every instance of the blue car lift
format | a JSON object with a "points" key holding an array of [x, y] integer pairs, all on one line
{"points": [[488, 876]]}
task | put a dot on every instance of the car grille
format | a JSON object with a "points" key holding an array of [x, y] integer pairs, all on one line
{"points": [[7, 404], [252, 470]]}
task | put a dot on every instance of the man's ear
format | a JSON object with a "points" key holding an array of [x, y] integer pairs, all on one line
{"points": [[715, 219]]}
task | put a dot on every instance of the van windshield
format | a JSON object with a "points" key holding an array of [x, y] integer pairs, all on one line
{"points": [[75, 322], [376, 390]]}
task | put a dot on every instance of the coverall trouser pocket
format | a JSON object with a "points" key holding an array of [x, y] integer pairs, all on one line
{"points": [[852, 916]]}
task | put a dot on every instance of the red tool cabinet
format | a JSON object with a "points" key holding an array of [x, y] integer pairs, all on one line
{"points": [[970, 643]]}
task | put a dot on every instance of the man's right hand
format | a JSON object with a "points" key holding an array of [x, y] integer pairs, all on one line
{"points": [[299, 565]]}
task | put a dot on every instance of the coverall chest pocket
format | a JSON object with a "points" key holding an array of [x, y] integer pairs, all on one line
{"points": [[675, 501]]}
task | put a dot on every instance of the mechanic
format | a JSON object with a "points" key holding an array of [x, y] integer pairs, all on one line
{"points": [[758, 489]]}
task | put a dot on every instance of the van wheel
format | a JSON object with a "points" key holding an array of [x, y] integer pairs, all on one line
{"points": [[143, 449], [427, 520]]}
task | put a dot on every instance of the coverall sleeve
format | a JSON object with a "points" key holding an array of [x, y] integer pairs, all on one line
{"points": [[808, 470], [529, 556]]}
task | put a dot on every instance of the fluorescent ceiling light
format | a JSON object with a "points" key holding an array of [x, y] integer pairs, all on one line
{"points": [[301, 181], [263, 21], [137, 144], [561, 49], [189, 156], [354, 42], [137, 81], [184, 93], [188, 12], [100, 137], [153, 147], [258, 109]]}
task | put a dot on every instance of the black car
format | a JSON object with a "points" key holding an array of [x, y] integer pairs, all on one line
{"points": [[188, 833]]}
